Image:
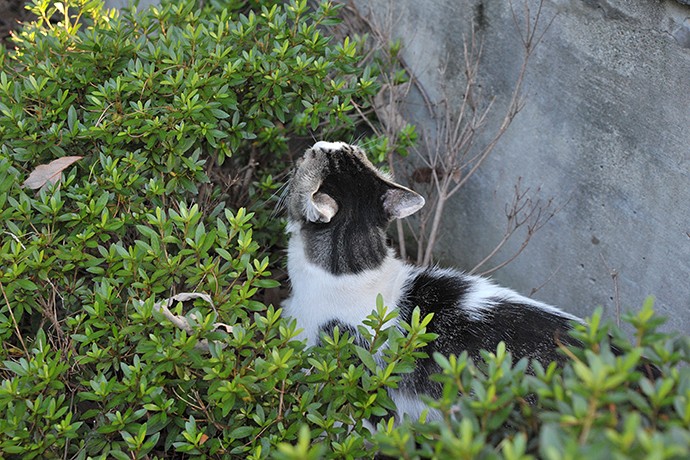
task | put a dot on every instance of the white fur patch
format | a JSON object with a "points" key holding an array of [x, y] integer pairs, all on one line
{"points": [[328, 146], [484, 295], [319, 297], [311, 212], [480, 297], [412, 406]]}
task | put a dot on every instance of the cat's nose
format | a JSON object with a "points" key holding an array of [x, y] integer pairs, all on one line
{"points": [[328, 146]]}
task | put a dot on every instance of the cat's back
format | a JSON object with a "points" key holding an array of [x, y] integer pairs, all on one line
{"points": [[471, 313]]}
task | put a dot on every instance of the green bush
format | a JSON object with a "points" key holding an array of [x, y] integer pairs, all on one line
{"points": [[167, 95], [182, 116], [599, 406]]}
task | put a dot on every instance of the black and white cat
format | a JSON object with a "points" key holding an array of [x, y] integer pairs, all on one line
{"points": [[339, 206]]}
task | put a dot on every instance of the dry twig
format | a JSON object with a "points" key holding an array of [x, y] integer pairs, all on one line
{"points": [[523, 212], [180, 321], [458, 145]]}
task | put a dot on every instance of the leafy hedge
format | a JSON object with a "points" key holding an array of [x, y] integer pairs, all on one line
{"points": [[182, 116]]}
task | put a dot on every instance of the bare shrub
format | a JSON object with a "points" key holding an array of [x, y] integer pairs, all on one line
{"points": [[461, 140]]}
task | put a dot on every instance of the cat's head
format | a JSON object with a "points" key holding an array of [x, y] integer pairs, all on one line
{"points": [[342, 203]]}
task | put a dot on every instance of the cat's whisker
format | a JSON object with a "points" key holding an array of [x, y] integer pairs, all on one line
{"points": [[282, 194]]}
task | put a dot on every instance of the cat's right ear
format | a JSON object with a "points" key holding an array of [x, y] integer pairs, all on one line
{"points": [[320, 208], [401, 202]]}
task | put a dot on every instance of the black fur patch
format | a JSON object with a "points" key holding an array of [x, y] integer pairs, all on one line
{"points": [[435, 292], [344, 328], [528, 331], [354, 240]]}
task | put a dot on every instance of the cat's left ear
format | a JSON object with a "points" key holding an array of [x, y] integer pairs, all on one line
{"points": [[320, 208], [400, 202]]}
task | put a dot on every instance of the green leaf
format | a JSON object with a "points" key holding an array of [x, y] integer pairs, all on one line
{"points": [[17, 368], [366, 358], [72, 118], [26, 284], [242, 432]]}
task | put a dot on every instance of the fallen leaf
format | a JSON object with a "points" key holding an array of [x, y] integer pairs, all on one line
{"points": [[49, 173]]}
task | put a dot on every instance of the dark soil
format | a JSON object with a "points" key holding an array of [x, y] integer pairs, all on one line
{"points": [[11, 13]]}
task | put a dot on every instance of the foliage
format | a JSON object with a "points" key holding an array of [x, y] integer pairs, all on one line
{"points": [[166, 95], [178, 118], [599, 406]]}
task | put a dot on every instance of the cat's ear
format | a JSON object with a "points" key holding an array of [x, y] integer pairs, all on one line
{"points": [[401, 202], [320, 207]]}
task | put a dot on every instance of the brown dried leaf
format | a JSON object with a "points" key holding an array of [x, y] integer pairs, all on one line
{"points": [[422, 175], [456, 175], [49, 173]]}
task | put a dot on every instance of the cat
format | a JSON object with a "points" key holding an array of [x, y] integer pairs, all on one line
{"points": [[339, 206]]}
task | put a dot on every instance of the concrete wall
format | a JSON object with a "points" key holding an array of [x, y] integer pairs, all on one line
{"points": [[605, 130]]}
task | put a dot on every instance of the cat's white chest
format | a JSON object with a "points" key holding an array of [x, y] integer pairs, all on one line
{"points": [[319, 297]]}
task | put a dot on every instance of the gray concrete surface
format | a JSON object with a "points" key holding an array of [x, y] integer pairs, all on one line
{"points": [[605, 131]]}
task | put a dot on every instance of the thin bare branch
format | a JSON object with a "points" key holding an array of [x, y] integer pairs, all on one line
{"points": [[14, 320], [534, 290], [181, 322], [455, 148], [523, 212]]}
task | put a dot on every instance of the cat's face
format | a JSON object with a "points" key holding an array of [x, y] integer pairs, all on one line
{"points": [[335, 180], [340, 204]]}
